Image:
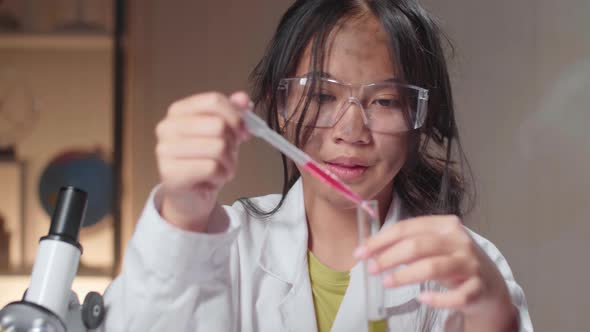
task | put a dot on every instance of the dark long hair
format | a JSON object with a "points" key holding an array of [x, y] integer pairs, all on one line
{"points": [[433, 179]]}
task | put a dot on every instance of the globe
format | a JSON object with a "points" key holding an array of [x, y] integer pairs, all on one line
{"points": [[81, 169]]}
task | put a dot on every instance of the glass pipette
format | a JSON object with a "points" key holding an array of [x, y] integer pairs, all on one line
{"points": [[257, 127]]}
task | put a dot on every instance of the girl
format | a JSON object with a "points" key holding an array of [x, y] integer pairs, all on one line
{"points": [[362, 87]]}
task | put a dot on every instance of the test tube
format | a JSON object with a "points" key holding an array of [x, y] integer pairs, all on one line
{"points": [[368, 225]]}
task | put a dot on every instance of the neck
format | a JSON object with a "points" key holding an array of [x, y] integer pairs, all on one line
{"points": [[333, 232]]}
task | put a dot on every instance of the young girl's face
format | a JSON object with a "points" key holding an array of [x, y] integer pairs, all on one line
{"points": [[368, 162]]}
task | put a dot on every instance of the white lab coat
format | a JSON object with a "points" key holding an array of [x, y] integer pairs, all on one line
{"points": [[252, 277]]}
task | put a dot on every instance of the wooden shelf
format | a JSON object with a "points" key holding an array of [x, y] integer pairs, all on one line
{"points": [[55, 41]]}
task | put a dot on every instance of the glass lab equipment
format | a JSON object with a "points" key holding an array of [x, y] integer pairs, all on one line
{"points": [[368, 225], [257, 127]]}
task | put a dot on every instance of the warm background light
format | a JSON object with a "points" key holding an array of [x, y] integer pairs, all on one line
{"points": [[521, 81]]}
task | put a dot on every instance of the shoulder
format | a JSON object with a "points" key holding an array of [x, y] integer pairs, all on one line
{"points": [[251, 223], [485, 244], [515, 290], [493, 253], [240, 210]]}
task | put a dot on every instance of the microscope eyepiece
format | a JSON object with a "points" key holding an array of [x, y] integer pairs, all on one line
{"points": [[68, 214]]}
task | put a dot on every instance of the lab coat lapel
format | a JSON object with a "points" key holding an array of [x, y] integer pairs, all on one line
{"points": [[297, 310], [351, 315], [284, 256]]}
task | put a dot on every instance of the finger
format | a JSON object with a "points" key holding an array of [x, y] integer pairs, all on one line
{"points": [[197, 148], [411, 249], [195, 126], [240, 99], [441, 268], [457, 298], [208, 103], [185, 174], [242, 102], [407, 228]]}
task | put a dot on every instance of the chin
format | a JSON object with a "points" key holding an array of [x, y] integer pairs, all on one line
{"points": [[327, 194], [370, 190], [339, 201], [371, 186], [367, 190]]}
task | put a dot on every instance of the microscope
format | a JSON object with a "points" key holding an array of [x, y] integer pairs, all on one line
{"points": [[49, 304]]}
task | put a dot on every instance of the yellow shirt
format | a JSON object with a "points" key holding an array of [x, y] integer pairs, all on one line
{"points": [[328, 287]]}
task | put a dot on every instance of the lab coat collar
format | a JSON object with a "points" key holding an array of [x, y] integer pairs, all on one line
{"points": [[284, 256], [284, 248], [283, 251]]}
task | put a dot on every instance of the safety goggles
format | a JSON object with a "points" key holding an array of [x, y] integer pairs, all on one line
{"points": [[386, 107]]}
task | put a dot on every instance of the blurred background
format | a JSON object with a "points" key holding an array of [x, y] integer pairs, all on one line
{"points": [[84, 82]]}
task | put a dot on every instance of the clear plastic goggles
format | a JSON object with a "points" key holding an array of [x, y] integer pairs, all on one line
{"points": [[387, 107]]}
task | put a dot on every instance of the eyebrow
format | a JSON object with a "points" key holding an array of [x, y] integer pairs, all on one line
{"points": [[318, 73], [394, 80], [324, 74]]}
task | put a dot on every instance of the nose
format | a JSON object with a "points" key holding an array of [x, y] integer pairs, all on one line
{"points": [[352, 127]]}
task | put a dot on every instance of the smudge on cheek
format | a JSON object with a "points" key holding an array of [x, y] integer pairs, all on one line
{"points": [[314, 143]]}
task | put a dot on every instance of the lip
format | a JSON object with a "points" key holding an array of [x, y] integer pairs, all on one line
{"points": [[347, 168], [348, 161]]}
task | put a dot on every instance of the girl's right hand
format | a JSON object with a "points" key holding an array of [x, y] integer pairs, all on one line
{"points": [[197, 153]]}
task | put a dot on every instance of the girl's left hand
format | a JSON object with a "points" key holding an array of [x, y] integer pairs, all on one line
{"points": [[439, 248]]}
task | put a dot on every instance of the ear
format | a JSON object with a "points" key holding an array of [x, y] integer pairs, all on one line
{"points": [[286, 128], [282, 122]]}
